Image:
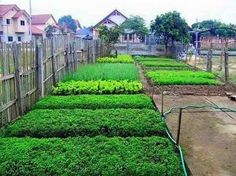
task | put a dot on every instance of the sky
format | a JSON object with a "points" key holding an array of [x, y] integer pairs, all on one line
{"points": [[90, 12]]}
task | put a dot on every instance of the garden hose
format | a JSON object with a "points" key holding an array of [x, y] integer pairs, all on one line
{"points": [[164, 117]]}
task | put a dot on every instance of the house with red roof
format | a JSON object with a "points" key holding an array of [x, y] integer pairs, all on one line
{"points": [[14, 24], [116, 18]]}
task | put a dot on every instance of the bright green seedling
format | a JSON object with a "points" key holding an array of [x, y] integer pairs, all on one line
{"points": [[119, 59], [138, 101], [79, 122], [89, 156]]}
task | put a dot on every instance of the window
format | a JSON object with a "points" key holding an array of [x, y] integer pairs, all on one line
{"points": [[10, 39], [22, 22], [130, 36], [8, 21], [19, 38], [125, 36]]}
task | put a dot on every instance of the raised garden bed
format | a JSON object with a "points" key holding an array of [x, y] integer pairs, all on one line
{"points": [[79, 122], [117, 72], [89, 156], [164, 77], [139, 101], [97, 87], [119, 59]]}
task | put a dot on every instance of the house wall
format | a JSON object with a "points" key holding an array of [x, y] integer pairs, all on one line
{"points": [[14, 29], [118, 19]]}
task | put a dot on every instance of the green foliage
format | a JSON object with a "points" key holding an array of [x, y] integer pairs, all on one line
{"points": [[79, 122], [139, 101], [84, 156], [140, 59], [68, 21], [171, 27], [135, 24], [119, 59], [164, 77], [97, 87], [116, 72]]}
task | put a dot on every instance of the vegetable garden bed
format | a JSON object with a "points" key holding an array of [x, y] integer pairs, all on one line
{"points": [[79, 122], [139, 101], [117, 72], [167, 77], [120, 59], [89, 156]]}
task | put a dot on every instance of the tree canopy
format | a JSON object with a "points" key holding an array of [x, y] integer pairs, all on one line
{"points": [[216, 28], [135, 24], [171, 27], [68, 21]]}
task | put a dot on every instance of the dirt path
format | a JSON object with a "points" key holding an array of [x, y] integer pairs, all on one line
{"points": [[207, 136]]}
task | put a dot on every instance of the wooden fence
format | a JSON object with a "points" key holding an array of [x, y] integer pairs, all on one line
{"points": [[29, 70]]}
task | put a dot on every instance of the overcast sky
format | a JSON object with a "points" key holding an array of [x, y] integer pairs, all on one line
{"points": [[89, 12]]}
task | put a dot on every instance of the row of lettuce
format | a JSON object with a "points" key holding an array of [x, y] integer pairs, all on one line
{"points": [[103, 126], [167, 71]]}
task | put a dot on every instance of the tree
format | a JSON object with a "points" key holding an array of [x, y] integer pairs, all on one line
{"points": [[135, 24], [110, 36], [171, 27], [69, 22]]}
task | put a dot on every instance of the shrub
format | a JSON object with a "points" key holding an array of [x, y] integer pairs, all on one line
{"points": [[165, 77], [97, 87], [117, 72], [119, 59], [79, 122], [139, 101], [84, 156]]}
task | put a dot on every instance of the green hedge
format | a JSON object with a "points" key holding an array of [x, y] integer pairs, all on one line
{"points": [[138, 101], [164, 77], [119, 59], [117, 72], [97, 87], [79, 122], [89, 156]]}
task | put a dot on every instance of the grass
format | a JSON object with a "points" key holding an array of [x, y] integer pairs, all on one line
{"points": [[79, 122], [140, 59], [84, 156], [119, 59], [97, 87], [165, 77], [117, 72], [139, 101]]}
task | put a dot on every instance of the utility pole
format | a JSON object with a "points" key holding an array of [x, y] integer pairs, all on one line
{"points": [[30, 21]]}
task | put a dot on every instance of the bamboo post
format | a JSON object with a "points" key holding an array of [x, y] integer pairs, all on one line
{"points": [[15, 50], [94, 51], [39, 61], [53, 63], [209, 59], [226, 63]]}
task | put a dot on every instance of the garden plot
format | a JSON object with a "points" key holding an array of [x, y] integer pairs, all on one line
{"points": [[79, 122], [139, 101], [119, 59], [89, 156], [167, 77]]}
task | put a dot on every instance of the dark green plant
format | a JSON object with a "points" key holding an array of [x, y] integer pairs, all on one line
{"points": [[68, 21]]}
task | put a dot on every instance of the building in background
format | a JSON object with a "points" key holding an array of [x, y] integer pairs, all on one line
{"points": [[14, 24], [85, 33], [116, 18]]}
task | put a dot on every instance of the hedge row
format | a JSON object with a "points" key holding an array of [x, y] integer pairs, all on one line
{"points": [[138, 101], [84, 156], [79, 122], [97, 87]]}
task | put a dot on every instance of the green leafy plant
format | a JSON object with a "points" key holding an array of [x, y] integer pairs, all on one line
{"points": [[97, 87], [79, 122], [165, 77], [117, 72], [84, 156], [138, 101], [119, 59]]}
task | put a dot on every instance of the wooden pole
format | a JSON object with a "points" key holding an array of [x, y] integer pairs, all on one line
{"points": [[39, 61], [226, 63], [53, 63], [209, 59], [15, 50], [179, 126]]}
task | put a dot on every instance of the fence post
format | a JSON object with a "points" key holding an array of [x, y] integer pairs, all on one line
{"points": [[53, 63], [94, 51], [39, 61], [209, 59], [15, 50], [221, 58], [226, 63]]}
